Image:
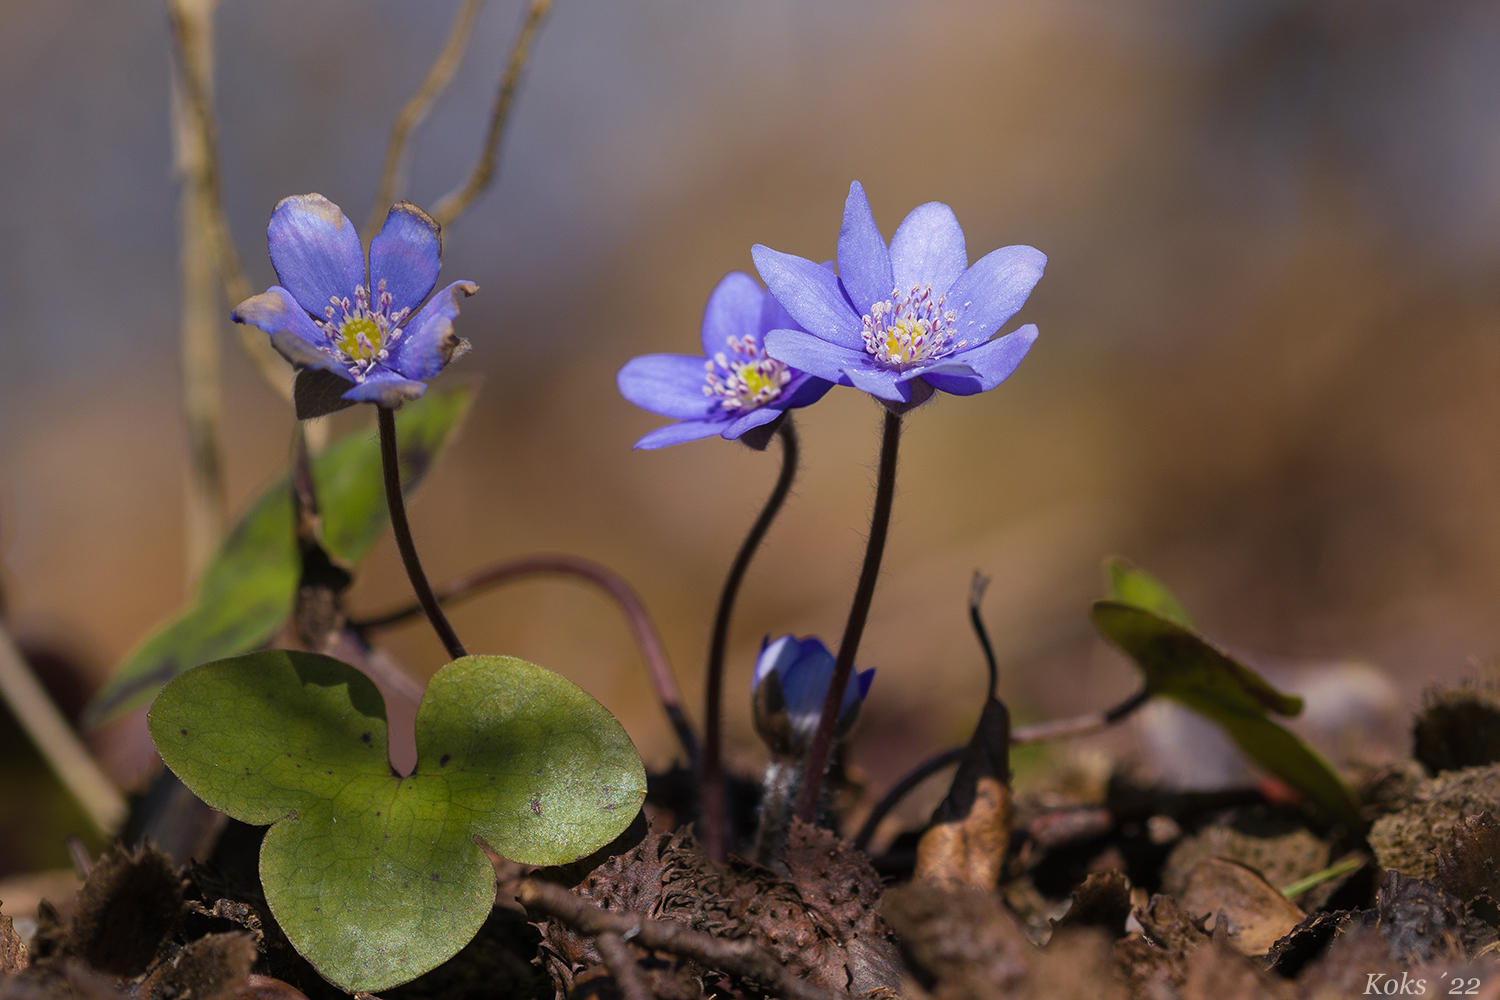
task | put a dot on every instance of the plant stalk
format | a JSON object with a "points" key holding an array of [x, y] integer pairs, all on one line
{"points": [[712, 806], [391, 462], [859, 613]]}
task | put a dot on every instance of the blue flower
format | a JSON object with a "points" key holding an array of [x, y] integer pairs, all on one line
{"points": [[911, 317], [328, 315], [730, 388], [787, 691]]}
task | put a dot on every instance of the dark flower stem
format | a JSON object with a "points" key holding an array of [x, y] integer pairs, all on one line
{"points": [[711, 791], [859, 612], [392, 463]]}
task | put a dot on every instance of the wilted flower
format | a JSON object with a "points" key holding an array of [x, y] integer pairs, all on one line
{"points": [[732, 387], [912, 311], [328, 314], [787, 691]]}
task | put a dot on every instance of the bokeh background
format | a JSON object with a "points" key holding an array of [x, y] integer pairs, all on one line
{"points": [[1267, 370]]}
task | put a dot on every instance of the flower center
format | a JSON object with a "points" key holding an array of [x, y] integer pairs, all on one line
{"points": [[909, 330], [745, 378], [363, 335]]}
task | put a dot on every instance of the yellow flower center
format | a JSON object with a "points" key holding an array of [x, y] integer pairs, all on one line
{"points": [[360, 338]]}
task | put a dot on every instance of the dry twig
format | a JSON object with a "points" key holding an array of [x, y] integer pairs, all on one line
{"points": [[460, 198], [433, 84], [738, 957]]}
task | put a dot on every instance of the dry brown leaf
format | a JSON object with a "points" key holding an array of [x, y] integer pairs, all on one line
{"points": [[1253, 912], [965, 845]]}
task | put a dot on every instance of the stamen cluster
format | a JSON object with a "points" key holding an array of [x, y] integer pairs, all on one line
{"points": [[363, 336], [747, 380], [911, 329]]}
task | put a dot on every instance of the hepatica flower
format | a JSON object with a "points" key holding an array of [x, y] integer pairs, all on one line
{"points": [[330, 314], [787, 691], [906, 318], [732, 387]]}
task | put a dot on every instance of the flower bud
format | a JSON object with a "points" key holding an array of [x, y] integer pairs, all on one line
{"points": [[791, 680]]}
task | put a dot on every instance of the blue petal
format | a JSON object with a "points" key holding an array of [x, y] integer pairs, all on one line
{"points": [[993, 290], [293, 334], [929, 246], [667, 384], [804, 683], [386, 388], [775, 656], [688, 430], [315, 250], [803, 390], [407, 255], [811, 354], [773, 316], [992, 363], [733, 310], [811, 294], [864, 261], [881, 383], [755, 418], [428, 342]]}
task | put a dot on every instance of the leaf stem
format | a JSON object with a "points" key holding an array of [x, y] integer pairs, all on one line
{"points": [[712, 806], [391, 462], [658, 666], [854, 628]]}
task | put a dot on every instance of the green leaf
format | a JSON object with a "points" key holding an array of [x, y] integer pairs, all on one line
{"points": [[247, 590], [1182, 665], [377, 878], [1131, 585]]}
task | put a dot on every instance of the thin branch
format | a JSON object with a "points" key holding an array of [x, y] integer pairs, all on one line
{"points": [[455, 202], [437, 80], [977, 587], [1081, 725], [900, 789], [391, 463], [854, 628], [658, 666], [622, 966], [739, 957], [196, 132], [64, 752], [711, 791]]}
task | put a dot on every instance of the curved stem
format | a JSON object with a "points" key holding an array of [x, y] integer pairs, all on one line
{"points": [[392, 465], [859, 612], [657, 665], [899, 790], [1080, 725], [712, 807]]}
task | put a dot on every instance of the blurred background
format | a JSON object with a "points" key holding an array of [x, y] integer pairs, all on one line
{"points": [[1267, 370]]}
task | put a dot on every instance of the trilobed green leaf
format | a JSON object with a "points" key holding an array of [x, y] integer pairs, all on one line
{"points": [[377, 878]]}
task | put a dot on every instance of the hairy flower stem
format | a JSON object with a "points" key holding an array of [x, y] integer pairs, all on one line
{"points": [[859, 611], [713, 811], [777, 800], [392, 464]]}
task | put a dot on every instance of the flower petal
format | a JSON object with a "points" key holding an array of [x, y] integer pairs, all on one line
{"points": [[773, 315], [992, 363], [428, 342], [864, 261], [929, 246], [993, 290], [733, 310], [315, 250], [811, 294], [294, 335], [803, 390], [880, 382], [687, 430], [774, 656], [386, 388], [812, 354], [748, 422], [407, 255], [667, 384]]}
